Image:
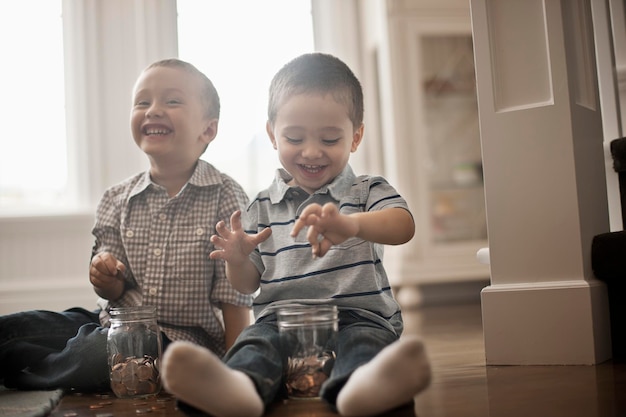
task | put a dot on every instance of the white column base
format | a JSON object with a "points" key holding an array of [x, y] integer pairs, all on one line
{"points": [[546, 323]]}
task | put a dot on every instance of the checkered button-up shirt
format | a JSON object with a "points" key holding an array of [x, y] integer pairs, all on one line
{"points": [[164, 243]]}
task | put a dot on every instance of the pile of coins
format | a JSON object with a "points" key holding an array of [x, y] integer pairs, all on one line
{"points": [[134, 377], [103, 405], [305, 376]]}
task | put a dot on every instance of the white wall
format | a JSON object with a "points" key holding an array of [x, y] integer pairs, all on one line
{"points": [[44, 261]]}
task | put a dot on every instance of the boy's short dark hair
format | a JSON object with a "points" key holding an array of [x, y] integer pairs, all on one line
{"points": [[209, 95], [317, 73]]}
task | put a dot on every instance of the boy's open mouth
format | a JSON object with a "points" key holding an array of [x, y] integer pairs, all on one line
{"points": [[312, 169], [154, 131]]}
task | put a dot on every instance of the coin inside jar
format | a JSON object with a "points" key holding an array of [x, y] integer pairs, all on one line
{"points": [[305, 376], [134, 377]]}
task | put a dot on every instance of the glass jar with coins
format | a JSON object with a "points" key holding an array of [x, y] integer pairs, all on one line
{"points": [[307, 336], [134, 349]]}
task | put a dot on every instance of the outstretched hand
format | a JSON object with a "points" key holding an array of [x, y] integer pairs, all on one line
{"points": [[327, 227], [234, 245]]}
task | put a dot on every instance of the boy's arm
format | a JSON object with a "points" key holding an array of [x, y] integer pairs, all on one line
{"points": [[391, 226], [328, 227], [236, 318], [108, 271], [244, 277]]}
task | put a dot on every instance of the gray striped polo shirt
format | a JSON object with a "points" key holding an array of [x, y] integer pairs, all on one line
{"points": [[351, 275]]}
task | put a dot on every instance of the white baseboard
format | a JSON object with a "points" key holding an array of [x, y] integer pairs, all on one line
{"points": [[444, 293], [546, 323]]}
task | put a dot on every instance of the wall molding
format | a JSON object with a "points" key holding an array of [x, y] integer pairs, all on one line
{"points": [[546, 323], [54, 294]]}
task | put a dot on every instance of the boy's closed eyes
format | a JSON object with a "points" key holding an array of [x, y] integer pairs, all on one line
{"points": [[295, 141], [169, 102]]}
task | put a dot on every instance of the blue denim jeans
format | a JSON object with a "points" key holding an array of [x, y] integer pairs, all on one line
{"points": [[258, 353], [51, 350]]}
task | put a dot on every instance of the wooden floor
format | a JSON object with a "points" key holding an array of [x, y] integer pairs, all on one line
{"points": [[462, 385]]}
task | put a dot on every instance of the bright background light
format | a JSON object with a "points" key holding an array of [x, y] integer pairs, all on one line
{"points": [[240, 45], [33, 160]]}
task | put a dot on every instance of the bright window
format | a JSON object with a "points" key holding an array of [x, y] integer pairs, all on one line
{"points": [[33, 157], [239, 45]]}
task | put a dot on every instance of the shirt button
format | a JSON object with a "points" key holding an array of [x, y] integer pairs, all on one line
{"points": [[152, 291], [199, 231], [130, 233], [157, 252], [162, 216]]}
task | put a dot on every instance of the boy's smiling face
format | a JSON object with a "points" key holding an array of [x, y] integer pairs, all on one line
{"points": [[314, 137], [168, 119]]}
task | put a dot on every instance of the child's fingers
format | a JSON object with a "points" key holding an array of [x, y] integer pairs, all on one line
{"points": [[221, 228], [94, 276], [98, 278], [300, 223], [217, 241], [235, 220], [323, 247], [329, 209], [313, 236], [120, 268], [263, 235], [308, 217], [297, 226], [217, 254], [105, 263], [304, 221]]}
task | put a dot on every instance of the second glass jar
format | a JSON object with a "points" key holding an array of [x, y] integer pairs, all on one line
{"points": [[134, 350], [307, 335]]}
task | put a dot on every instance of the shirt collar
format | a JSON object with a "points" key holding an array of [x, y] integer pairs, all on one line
{"points": [[203, 175], [337, 188]]}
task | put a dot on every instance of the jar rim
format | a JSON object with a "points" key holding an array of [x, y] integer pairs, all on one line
{"points": [[133, 313], [303, 315], [306, 307], [132, 309]]}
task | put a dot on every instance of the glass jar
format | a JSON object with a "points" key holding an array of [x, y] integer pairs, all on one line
{"points": [[134, 349], [307, 335]]}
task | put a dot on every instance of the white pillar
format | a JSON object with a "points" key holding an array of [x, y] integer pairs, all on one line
{"points": [[545, 186]]}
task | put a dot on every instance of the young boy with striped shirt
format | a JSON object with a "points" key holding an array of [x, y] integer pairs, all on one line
{"points": [[315, 236]]}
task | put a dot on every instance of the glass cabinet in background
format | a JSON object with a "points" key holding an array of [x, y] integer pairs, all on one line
{"points": [[434, 135], [453, 159]]}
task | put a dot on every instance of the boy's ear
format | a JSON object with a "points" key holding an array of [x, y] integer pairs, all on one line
{"points": [[270, 133], [210, 131], [357, 137]]}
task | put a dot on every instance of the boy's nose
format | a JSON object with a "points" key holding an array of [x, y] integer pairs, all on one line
{"points": [[153, 111], [311, 152]]}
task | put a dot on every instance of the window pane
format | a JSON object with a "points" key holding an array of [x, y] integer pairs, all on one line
{"points": [[33, 158], [239, 45]]}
